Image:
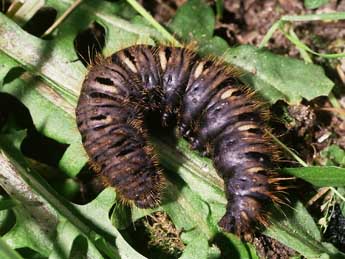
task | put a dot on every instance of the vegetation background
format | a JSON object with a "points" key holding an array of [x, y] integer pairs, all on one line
{"points": [[53, 206]]}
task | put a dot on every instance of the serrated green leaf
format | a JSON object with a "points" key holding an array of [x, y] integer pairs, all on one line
{"points": [[279, 78], [35, 56], [69, 187], [52, 116], [42, 209], [68, 234], [321, 176], [35, 220], [46, 113], [52, 60], [215, 46]]}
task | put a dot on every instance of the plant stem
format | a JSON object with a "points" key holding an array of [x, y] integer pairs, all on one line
{"points": [[62, 17], [136, 6], [337, 193], [314, 17], [304, 18], [299, 45], [288, 150], [270, 33]]}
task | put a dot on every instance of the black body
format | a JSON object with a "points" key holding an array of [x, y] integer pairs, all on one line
{"points": [[216, 113]]}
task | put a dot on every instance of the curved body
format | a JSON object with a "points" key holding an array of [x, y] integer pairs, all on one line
{"points": [[217, 114]]}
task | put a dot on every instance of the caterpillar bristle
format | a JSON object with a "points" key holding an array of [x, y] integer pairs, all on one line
{"points": [[220, 116], [94, 167], [280, 179], [280, 201]]}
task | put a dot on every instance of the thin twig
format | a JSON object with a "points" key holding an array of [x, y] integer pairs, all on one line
{"points": [[337, 193], [318, 195], [288, 150], [136, 6], [14, 7], [295, 18], [62, 17], [341, 73], [270, 33]]}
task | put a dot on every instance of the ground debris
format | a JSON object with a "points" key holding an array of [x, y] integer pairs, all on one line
{"points": [[271, 248], [335, 232], [163, 234]]}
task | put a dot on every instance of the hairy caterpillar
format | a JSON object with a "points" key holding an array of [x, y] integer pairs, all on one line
{"points": [[216, 113]]}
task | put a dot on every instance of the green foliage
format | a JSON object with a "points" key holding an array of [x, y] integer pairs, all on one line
{"points": [[197, 249], [283, 25], [299, 231], [47, 223], [275, 77], [199, 29], [321, 176], [312, 4], [280, 78], [334, 155], [7, 252], [194, 200]]}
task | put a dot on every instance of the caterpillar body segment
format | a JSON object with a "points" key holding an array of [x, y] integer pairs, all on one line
{"points": [[118, 147], [176, 65]]}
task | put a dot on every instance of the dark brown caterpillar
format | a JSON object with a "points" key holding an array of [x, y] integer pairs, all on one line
{"points": [[216, 113]]}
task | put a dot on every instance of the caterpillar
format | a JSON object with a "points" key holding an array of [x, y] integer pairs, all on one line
{"points": [[215, 112]]}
